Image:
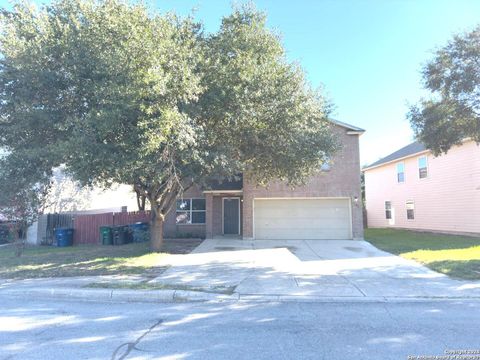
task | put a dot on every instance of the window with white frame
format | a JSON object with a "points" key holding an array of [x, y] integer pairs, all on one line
{"points": [[422, 167], [388, 210], [190, 211], [410, 205], [400, 172]]}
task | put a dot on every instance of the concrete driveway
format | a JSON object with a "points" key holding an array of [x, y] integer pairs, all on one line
{"points": [[309, 269]]}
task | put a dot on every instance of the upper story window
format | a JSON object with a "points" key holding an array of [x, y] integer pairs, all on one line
{"points": [[401, 172], [326, 166], [388, 210], [190, 211], [410, 205], [422, 167]]}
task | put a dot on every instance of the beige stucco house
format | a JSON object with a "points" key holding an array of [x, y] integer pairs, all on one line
{"points": [[327, 207], [413, 189]]}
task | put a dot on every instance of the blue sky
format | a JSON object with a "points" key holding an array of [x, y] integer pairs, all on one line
{"points": [[367, 53]]}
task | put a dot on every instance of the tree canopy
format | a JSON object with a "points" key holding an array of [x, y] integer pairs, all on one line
{"points": [[116, 93], [23, 190], [452, 114]]}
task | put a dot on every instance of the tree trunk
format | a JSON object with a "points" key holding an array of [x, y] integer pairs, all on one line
{"points": [[140, 199], [160, 205], [19, 240], [156, 231]]}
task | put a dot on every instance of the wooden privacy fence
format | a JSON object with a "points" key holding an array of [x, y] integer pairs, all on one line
{"points": [[86, 227]]}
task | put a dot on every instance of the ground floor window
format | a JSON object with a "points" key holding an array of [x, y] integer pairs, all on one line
{"points": [[410, 210], [190, 211], [388, 210]]}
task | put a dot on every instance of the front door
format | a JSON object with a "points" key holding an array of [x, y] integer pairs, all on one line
{"points": [[231, 216]]}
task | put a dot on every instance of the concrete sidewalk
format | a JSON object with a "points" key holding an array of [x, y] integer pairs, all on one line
{"points": [[76, 288], [306, 269], [267, 270]]}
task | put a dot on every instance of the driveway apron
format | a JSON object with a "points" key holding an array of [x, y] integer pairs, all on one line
{"points": [[309, 268]]}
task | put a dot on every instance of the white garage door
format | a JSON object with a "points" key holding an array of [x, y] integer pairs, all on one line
{"points": [[302, 219]]}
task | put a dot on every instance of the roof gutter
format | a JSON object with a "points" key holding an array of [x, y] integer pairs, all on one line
{"points": [[355, 132], [346, 126]]}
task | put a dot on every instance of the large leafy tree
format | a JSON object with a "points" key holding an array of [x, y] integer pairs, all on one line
{"points": [[115, 93], [453, 112], [23, 191]]}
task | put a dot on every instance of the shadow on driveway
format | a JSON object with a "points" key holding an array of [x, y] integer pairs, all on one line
{"points": [[329, 268]]}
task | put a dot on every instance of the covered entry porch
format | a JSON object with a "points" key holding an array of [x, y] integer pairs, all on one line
{"points": [[224, 214]]}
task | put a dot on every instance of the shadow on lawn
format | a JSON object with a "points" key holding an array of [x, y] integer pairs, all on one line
{"points": [[460, 269], [105, 266], [87, 260]]}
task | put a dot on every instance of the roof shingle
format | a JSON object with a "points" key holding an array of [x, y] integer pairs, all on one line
{"points": [[410, 149]]}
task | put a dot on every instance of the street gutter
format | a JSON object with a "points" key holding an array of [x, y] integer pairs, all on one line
{"points": [[179, 296]]}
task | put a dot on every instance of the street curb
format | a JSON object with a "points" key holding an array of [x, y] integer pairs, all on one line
{"points": [[184, 296], [120, 295], [349, 299]]}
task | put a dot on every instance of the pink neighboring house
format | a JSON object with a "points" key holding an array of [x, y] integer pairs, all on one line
{"points": [[413, 189]]}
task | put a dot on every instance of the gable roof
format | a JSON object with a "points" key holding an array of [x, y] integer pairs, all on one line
{"points": [[410, 149], [346, 126]]}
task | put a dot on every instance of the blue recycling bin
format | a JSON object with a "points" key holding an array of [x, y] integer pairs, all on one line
{"points": [[64, 237], [139, 231]]}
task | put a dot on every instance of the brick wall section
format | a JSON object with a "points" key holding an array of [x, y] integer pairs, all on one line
{"points": [[342, 180], [217, 216], [209, 215]]}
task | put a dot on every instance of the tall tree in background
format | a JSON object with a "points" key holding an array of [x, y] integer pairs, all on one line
{"points": [[453, 112], [115, 93], [23, 190]]}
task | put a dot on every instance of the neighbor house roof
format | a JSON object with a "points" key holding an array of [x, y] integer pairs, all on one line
{"points": [[347, 126], [411, 149]]}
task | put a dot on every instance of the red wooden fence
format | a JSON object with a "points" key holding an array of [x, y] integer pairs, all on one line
{"points": [[125, 218], [86, 227]]}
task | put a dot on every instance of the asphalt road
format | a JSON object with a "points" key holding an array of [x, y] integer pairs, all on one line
{"points": [[50, 329]]}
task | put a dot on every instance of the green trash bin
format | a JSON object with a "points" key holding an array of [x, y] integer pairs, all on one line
{"points": [[106, 236], [120, 235]]}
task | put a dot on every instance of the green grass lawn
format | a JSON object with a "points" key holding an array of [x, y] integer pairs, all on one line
{"points": [[48, 261], [456, 256]]}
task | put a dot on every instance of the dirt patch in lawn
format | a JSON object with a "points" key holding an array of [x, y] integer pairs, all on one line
{"points": [[180, 246]]}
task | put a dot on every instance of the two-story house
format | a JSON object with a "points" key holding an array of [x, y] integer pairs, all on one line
{"points": [[413, 189], [327, 207]]}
